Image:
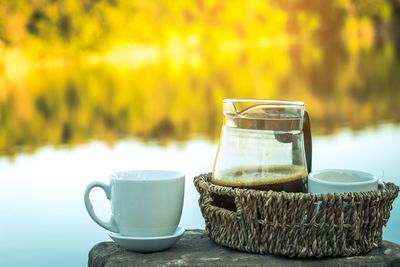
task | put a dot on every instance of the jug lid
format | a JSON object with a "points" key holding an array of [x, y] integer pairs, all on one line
{"points": [[260, 114]]}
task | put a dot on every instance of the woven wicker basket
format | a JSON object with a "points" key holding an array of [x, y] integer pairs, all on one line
{"points": [[295, 224]]}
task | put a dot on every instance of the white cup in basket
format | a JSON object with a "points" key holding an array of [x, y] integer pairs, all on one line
{"points": [[341, 181]]}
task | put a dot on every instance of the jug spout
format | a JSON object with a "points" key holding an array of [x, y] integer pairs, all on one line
{"points": [[247, 107], [263, 114]]}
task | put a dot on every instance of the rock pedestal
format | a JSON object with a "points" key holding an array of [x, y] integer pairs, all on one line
{"points": [[196, 249]]}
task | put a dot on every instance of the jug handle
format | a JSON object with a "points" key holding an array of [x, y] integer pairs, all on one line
{"points": [[307, 140]]}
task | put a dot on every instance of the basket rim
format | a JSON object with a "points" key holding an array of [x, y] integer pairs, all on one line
{"points": [[204, 181]]}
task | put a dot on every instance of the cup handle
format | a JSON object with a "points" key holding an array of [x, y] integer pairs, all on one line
{"points": [[110, 225], [307, 140]]}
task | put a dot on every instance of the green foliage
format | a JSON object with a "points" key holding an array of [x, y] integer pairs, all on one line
{"points": [[72, 71]]}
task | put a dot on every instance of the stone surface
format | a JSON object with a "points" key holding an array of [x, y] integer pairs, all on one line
{"points": [[196, 249]]}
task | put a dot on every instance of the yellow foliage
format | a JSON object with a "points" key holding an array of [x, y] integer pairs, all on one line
{"points": [[71, 71]]}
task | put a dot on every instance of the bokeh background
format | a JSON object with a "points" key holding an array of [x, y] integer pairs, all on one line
{"points": [[93, 86], [74, 71]]}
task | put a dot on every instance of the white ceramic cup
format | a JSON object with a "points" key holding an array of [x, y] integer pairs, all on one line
{"points": [[341, 181], [144, 203]]}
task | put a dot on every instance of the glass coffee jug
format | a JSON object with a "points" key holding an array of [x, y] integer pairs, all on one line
{"points": [[265, 145]]}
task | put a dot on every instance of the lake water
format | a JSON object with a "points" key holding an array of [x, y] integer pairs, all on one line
{"points": [[44, 222]]}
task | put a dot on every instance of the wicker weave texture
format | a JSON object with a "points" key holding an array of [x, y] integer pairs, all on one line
{"points": [[296, 224]]}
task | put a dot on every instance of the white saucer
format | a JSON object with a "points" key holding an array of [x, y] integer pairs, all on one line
{"points": [[147, 244]]}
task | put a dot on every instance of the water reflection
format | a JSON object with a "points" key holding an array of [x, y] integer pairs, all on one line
{"points": [[69, 73], [156, 102]]}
